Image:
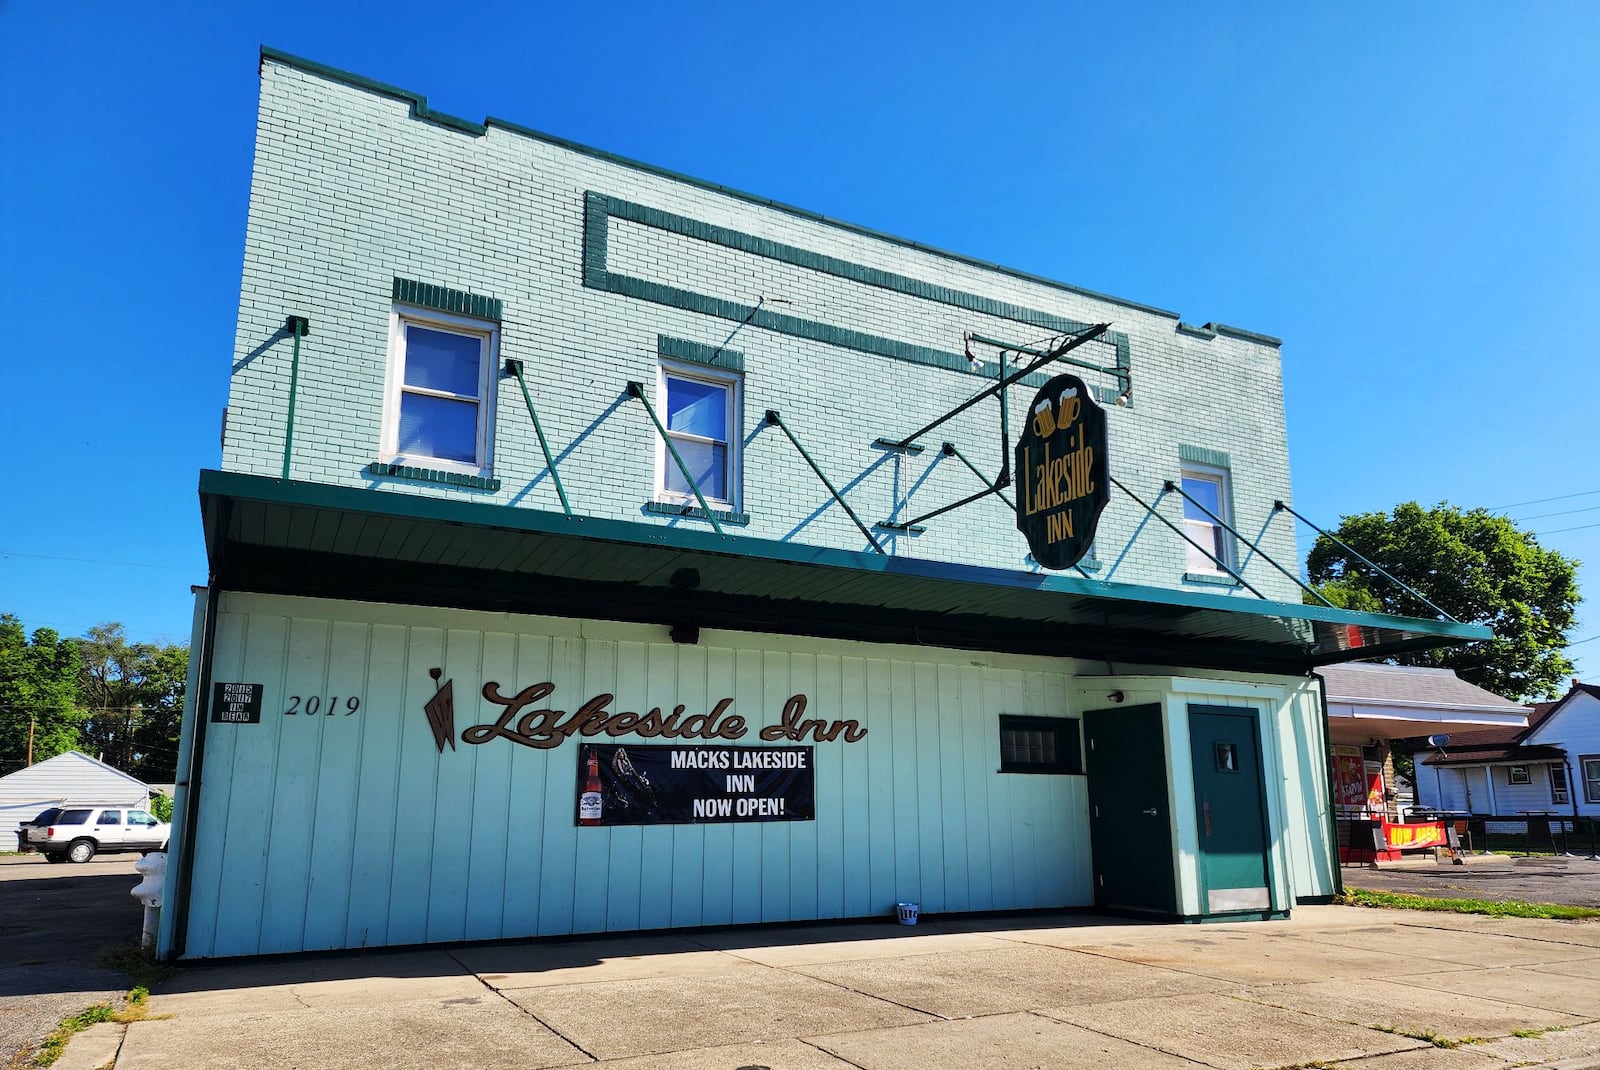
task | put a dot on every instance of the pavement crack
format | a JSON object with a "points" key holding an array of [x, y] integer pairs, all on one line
{"points": [[587, 1054], [830, 1054]]}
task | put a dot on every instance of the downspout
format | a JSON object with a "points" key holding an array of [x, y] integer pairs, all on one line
{"points": [[300, 327], [1327, 773], [178, 887]]}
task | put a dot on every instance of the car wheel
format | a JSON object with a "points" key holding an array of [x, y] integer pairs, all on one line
{"points": [[81, 850], [55, 856]]}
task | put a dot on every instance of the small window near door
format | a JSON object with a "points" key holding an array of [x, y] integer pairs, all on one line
{"points": [[1518, 774], [1227, 757], [1040, 745], [1558, 784]]}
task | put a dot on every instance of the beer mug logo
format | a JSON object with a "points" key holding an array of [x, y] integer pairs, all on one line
{"points": [[1048, 419]]}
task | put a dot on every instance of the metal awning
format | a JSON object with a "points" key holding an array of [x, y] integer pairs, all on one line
{"points": [[285, 537]]}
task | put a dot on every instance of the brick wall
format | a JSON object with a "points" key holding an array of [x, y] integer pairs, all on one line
{"points": [[351, 190]]}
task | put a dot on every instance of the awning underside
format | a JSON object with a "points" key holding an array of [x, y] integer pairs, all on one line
{"points": [[272, 536]]}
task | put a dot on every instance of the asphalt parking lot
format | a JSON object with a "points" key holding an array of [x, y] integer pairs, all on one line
{"points": [[1573, 881], [55, 922]]}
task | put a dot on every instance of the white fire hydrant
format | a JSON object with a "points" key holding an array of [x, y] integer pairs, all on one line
{"points": [[153, 871]]}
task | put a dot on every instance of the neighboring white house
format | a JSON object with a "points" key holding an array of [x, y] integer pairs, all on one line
{"points": [[66, 777], [1573, 726], [1553, 764]]}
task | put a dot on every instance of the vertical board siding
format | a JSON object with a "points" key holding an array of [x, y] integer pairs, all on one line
{"points": [[354, 830]]}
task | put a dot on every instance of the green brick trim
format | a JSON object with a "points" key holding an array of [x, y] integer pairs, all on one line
{"points": [[421, 111], [699, 353], [431, 475], [599, 209], [418, 102], [694, 512], [1210, 580], [1248, 336], [1197, 332], [426, 295], [1202, 455]]}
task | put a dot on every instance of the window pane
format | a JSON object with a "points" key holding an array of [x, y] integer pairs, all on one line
{"points": [[73, 817], [1209, 536], [439, 360], [1208, 492], [439, 427], [697, 408], [708, 463], [111, 817]]}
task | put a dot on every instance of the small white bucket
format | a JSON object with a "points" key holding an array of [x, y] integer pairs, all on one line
{"points": [[906, 913]]}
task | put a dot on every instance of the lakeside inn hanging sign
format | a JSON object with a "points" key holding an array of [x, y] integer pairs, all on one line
{"points": [[1062, 472]]}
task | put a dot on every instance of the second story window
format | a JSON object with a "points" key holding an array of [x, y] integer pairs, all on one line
{"points": [[1209, 487], [700, 410], [437, 409]]}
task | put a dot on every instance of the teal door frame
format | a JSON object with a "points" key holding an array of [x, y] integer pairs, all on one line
{"points": [[1208, 760]]}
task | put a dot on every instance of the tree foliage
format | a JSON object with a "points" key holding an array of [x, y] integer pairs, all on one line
{"points": [[1477, 567], [38, 690], [134, 696]]}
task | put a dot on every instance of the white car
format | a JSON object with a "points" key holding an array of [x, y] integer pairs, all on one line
{"points": [[76, 832]]}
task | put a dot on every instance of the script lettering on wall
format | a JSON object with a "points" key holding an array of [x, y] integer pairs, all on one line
{"points": [[525, 720]]}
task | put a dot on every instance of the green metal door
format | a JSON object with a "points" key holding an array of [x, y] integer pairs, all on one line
{"points": [[1130, 823], [1230, 807]]}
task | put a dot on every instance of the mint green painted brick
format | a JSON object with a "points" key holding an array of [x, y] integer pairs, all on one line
{"points": [[868, 346]]}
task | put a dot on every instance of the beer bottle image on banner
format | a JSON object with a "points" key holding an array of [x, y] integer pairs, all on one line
{"points": [[589, 802]]}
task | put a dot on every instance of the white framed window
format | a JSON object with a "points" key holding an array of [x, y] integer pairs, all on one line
{"points": [[1208, 486], [1558, 783], [1590, 763], [1518, 774], [701, 410], [438, 395]]}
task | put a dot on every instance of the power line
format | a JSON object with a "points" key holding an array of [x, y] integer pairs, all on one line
{"points": [[1558, 531], [1541, 501], [1563, 512], [96, 561]]}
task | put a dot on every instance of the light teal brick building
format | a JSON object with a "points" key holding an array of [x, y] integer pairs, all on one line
{"points": [[552, 480]]}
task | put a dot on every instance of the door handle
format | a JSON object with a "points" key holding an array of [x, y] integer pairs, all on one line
{"points": [[1152, 811]]}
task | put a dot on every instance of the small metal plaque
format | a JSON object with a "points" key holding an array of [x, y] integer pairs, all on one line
{"points": [[236, 703]]}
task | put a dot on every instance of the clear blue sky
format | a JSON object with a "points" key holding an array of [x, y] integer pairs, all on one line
{"points": [[1405, 193]]}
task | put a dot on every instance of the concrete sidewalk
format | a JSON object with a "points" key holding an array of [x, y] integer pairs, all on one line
{"points": [[1335, 985]]}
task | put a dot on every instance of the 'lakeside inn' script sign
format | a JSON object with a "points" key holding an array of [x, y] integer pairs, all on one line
{"points": [[525, 721], [1061, 463]]}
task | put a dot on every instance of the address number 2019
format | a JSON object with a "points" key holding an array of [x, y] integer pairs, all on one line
{"points": [[316, 706]]}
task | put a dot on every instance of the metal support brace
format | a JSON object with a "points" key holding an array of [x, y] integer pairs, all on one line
{"points": [[950, 450], [514, 367], [1230, 530], [777, 421], [1088, 334], [300, 327], [1030, 351], [1412, 591], [636, 390], [1184, 536]]}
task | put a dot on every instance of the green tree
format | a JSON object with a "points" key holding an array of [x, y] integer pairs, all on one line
{"points": [[1479, 568], [38, 694], [134, 696]]}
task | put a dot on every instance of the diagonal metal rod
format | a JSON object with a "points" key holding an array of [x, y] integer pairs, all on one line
{"points": [[943, 509], [1087, 335], [950, 449], [1184, 536], [1231, 531], [776, 420], [1033, 352], [515, 367], [1412, 591], [636, 390]]}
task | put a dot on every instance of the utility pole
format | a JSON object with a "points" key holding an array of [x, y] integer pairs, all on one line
{"points": [[33, 719]]}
